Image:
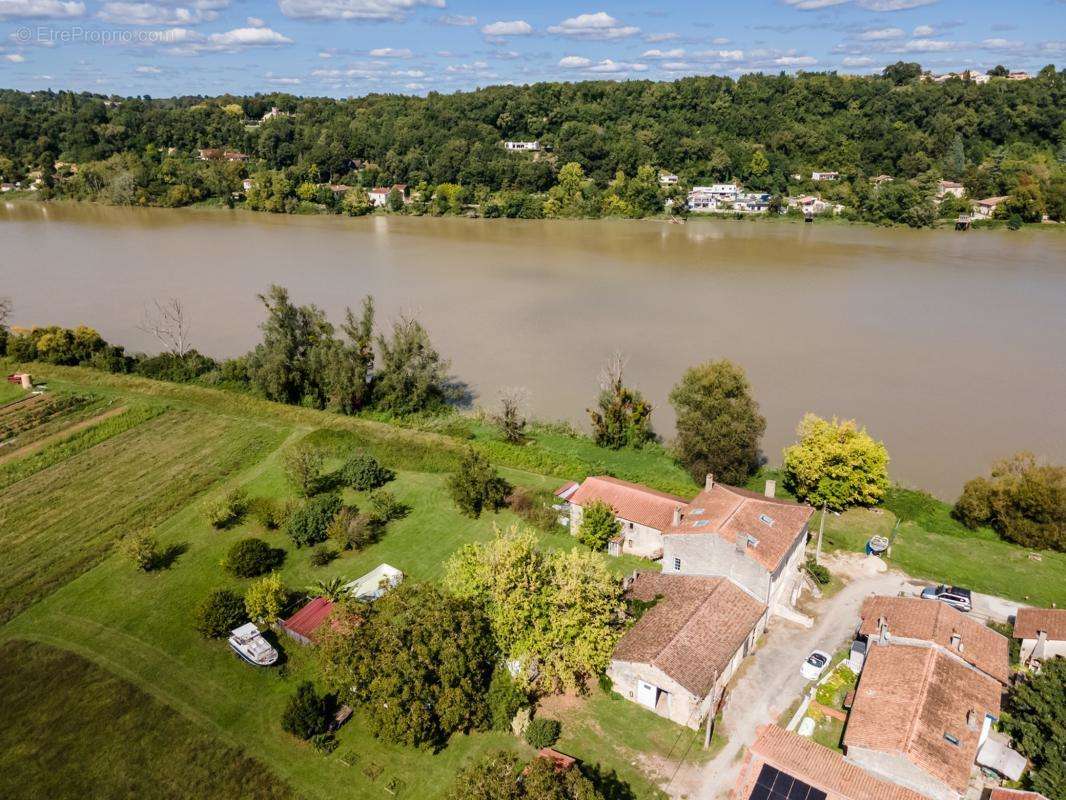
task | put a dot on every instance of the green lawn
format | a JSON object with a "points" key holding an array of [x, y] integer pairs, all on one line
{"points": [[9, 391], [70, 730]]}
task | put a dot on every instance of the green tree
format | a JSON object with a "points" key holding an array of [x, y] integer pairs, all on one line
{"points": [[394, 200], [142, 548], [363, 472], [622, 417], [836, 464], [247, 558], [759, 164], [1026, 201], [356, 202], [350, 365], [476, 487], [303, 469], [266, 598], [509, 421], [599, 524], [307, 713], [505, 699], [419, 662], [1037, 725], [718, 423], [307, 525], [501, 776], [219, 613], [543, 732], [413, 376]]}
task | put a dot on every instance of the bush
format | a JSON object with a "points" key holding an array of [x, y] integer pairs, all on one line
{"points": [[505, 699], [229, 510], [268, 513], [143, 550], [303, 469], [543, 732], [364, 472], [820, 574], [324, 743], [307, 713], [534, 508], [219, 613], [250, 557], [307, 524], [322, 555], [836, 463], [476, 486], [598, 525], [352, 530], [385, 507], [266, 599]]}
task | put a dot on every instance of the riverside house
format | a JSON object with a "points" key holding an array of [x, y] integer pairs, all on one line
{"points": [[642, 512], [1042, 632]]}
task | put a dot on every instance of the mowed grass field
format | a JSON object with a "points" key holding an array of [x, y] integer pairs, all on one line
{"points": [[70, 730], [60, 520]]}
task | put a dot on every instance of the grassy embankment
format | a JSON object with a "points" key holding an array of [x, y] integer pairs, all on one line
{"points": [[69, 502]]}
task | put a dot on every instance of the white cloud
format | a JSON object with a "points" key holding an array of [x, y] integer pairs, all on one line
{"points": [[146, 70], [457, 20], [722, 55], [248, 37], [41, 9], [1002, 44], [796, 61], [518, 27], [408, 73], [255, 22], [391, 52], [879, 34], [376, 10], [869, 5], [574, 62], [655, 38], [677, 52], [932, 46], [280, 81], [15, 58], [607, 66], [186, 42], [923, 30], [600, 25], [720, 40], [153, 14], [857, 61]]}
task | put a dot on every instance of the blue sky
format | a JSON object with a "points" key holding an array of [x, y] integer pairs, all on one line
{"points": [[352, 47]]}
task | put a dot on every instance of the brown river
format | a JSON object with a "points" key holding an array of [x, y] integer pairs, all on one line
{"points": [[950, 347]]}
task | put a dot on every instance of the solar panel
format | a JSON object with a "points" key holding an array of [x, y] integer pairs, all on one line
{"points": [[773, 784]]}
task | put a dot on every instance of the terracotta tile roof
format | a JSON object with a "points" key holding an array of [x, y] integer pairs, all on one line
{"points": [[934, 621], [1014, 794], [631, 501], [730, 512], [309, 618], [694, 630], [1030, 621], [910, 698], [816, 766]]}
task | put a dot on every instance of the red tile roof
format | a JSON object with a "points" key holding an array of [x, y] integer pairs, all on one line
{"points": [[309, 618], [693, 631], [816, 766], [1030, 621], [630, 501], [1014, 794], [730, 512], [911, 697], [562, 761], [934, 621]]}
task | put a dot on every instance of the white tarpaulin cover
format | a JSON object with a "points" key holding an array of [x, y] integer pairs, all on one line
{"points": [[998, 756], [375, 583]]}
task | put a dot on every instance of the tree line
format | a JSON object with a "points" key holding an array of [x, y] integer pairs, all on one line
{"points": [[999, 138]]}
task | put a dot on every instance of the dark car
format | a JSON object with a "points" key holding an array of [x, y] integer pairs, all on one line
{"points": [[954, 596]]}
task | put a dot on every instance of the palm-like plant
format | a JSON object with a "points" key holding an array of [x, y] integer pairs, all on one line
{"points": [[333, 589]]}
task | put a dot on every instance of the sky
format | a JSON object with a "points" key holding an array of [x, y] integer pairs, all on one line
{"points": [[344, 48]]}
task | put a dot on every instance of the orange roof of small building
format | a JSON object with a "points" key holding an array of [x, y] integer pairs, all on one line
{"points": [[562, 761], [630, 501], [693, 631], [992, 201], [934, 621], [730, 512], [309, 618], [1030, 621], [1014, 794], [911, 699], [815, 765]]}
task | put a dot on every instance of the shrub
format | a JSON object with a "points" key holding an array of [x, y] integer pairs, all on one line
{"points": [[820, 574], [505, 699], [1014, 646], [598, 525], [307, 712], [352, 530], [543, 732], [266, 598], [307, 524], [303, 469], [364, 472], [476, 486], [324, 743], [836, 463], [322, 555], [142, 549], [250, 557], [219, 613], [229, 510], [535, 508], [268, 513], [385, 507]]}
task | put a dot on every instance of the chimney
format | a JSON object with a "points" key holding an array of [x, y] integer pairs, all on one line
{"points": [[710, 481], [677, 516], [971, 719], [771, 488], [882, 629], [742, 543], [956, 641]]}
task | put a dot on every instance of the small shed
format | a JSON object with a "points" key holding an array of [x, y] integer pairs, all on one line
{"points": [[302, 625], [999, 757], [562, 761]]}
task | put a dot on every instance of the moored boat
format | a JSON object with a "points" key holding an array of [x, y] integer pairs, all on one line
{"points": [[247, 642]]}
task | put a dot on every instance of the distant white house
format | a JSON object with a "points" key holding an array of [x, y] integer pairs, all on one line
{"points": [[274, 112], [809, 204], [247, 184], [881, 179], [944, 188], [825, 176], [667, 179], [7, 187], [378, 195], [716, 197], [752, 202], [1019, 75], [987, 207], [522, 145]]}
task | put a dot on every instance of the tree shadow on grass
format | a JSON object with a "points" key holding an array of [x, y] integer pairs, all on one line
{"points": [[168, 555], [607, 782]]}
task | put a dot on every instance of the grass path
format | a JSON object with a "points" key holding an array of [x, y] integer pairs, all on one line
{"points": [[61, 435]]}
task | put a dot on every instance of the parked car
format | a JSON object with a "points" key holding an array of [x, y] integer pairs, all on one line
{"points": [[954, 596], [814, 665]]}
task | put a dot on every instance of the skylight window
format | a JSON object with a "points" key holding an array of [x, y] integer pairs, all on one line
{"points": [[696, 511], [701, 523], [952, 738], [766, 520], [753, 541]]}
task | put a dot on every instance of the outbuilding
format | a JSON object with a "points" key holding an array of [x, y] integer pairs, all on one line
{"points": [[1042, 632]]}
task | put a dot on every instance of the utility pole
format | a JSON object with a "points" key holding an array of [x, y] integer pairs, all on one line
{"points": [[821, 530], [711, 716]]}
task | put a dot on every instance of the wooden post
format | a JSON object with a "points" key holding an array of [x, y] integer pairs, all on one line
{"points": [[821, 530], [717, 704]]}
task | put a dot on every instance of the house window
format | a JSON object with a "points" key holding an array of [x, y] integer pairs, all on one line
{"points": [[677, 565]]}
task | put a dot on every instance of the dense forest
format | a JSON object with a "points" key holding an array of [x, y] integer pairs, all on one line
{"points": [[1002, 137]]}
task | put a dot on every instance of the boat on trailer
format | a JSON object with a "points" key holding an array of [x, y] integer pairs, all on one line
{"points": [[247, 642]]}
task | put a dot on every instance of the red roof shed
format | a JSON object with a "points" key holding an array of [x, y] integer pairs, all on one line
{"points": [[301, 625]]}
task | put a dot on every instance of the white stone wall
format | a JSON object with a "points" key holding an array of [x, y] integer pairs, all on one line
{"points": [[678, 705], [707, 554], [898, 769], [640, 540], [1051, 649]]}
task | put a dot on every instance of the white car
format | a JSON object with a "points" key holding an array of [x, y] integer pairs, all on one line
{"points": [[815, 665]]}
